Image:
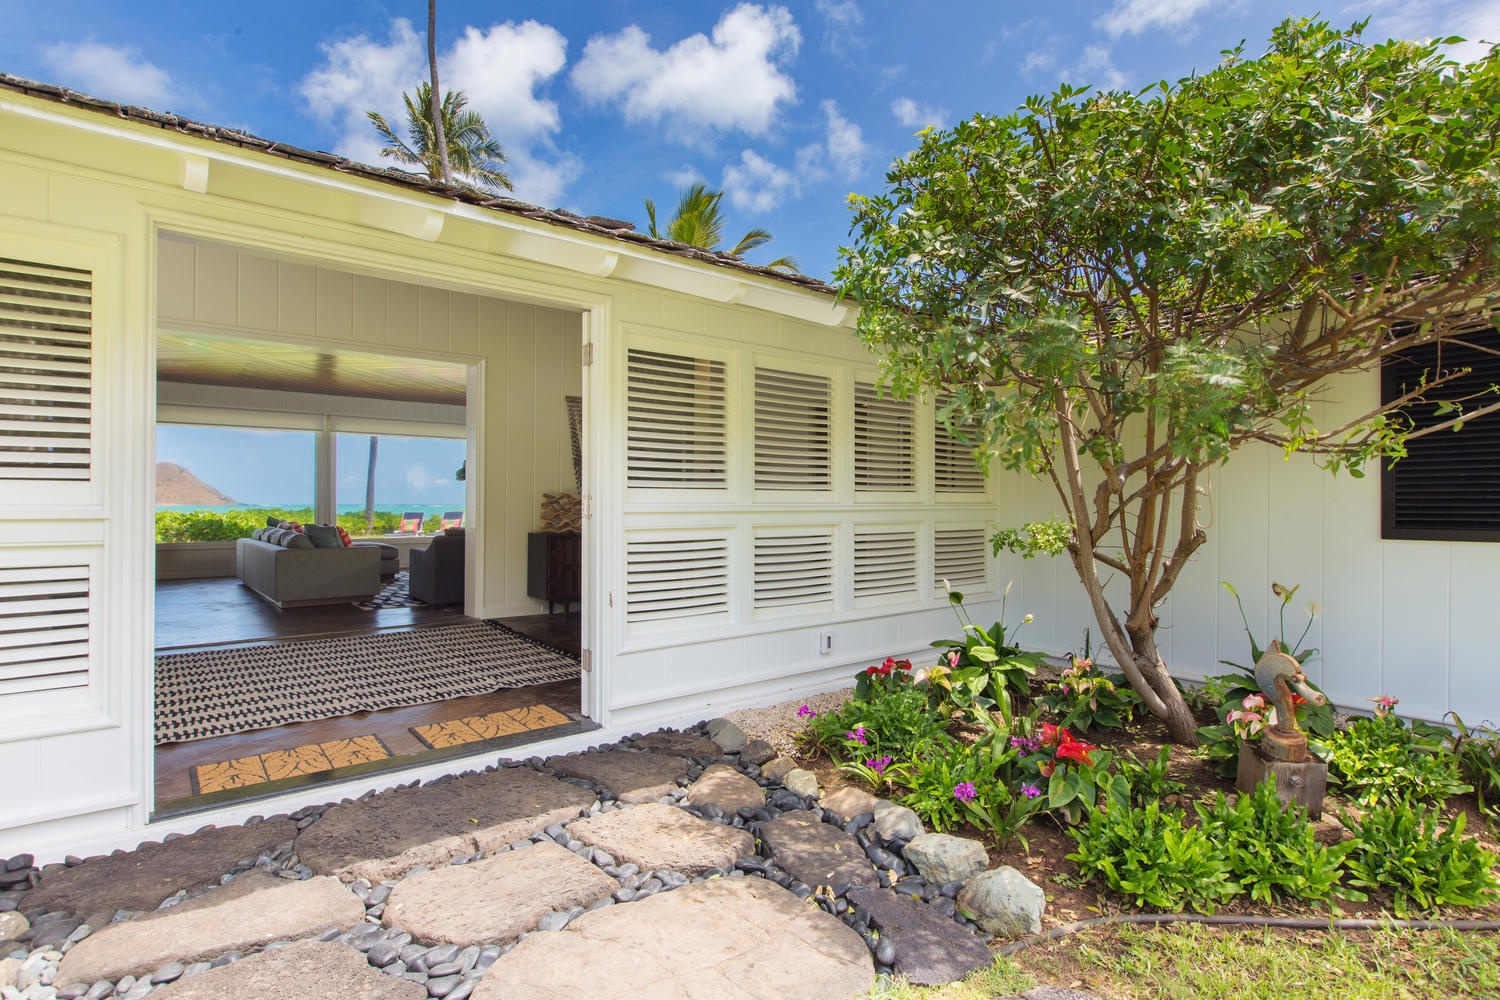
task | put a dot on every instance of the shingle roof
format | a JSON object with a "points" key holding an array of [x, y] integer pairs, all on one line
{"points": [[594, 224]]}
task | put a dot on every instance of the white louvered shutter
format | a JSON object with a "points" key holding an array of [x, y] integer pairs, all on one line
{"points": [[677, 578], [44, 628], [792, 430], [793, 570], [675, 422], [884, 442], [953, 468], [960, 556], [46, 416], [885, 563]]}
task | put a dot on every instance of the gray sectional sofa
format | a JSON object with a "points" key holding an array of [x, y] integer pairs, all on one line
{"points": [[286, 569]]}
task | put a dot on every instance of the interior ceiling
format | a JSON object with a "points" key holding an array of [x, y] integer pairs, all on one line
{"points": [[205, 360]]}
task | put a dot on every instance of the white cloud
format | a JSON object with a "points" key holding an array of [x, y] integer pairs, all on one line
{"points": [[684, 176], [913, 115], [732, 81], [841, 34], [845, 145], [1131, 17], [1478, 21], [499, 69], [114, 73], [1096, 69], [1038, 61], [755, 184]]}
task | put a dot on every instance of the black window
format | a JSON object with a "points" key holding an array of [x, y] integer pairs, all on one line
{"points": [[1447, 488]]}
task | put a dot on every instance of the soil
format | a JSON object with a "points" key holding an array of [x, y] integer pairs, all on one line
{"points": [[1043, 858]]}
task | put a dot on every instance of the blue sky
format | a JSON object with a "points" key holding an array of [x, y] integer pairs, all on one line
{"points": [[787, 108]]}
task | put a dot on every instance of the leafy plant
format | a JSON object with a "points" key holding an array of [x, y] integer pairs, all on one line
{"points": [[1478, 753], [1076, 776], [1294, 649], [896, 722], [1271, 850], [1152, 857], [1381, 760], [226, 526], [1082, 696], [1148, 781], [1400, 847], [1219, 743], [982, 669]]}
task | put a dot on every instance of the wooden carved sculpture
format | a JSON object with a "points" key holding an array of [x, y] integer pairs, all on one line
{"points": [[1278, 673]]}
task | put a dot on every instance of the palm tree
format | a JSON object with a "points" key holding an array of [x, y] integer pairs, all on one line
{"points": [[473, 153], [699, 222]]}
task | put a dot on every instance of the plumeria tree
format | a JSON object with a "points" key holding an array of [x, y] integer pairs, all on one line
{"points": [[1120, 289]]}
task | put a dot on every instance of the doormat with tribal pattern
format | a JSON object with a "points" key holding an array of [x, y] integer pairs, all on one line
{"points": [[473, 728], [217, 692], [314, 758]]}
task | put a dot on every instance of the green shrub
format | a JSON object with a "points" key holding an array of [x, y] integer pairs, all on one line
{"points": [[1152, 857], [896, 722], [1271, 850], [1148, 782], [1478, 754], [1083, 696], [1382, 760], [226, 526], [1399, 847]]}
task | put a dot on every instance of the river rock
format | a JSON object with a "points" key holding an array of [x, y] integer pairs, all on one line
{"points": [[729, 737], [941, 858], [1004, 902], [800, 782], [895, 822]]}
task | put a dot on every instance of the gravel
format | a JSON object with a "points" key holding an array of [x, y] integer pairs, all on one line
{"points": [[778, 724]]}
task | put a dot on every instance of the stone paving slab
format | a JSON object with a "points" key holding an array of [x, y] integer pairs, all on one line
{"points": [[931, 949], [730, 937], [250, 912], [816, 852], [392, 833], [721, 785], [691, 745], [494, 900], [141, 879], [308, 970], [848, 802], [628, 775], [656, 836]]}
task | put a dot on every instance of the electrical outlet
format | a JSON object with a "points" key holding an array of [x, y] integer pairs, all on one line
{"points": [[825, 643]]}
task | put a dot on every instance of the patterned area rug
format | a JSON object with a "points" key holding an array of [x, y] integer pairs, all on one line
{"points": [[314, 758], [392, 594], [223, 691]]}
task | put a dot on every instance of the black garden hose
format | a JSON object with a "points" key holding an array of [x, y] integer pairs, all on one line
{"points": [[1249, 920]]}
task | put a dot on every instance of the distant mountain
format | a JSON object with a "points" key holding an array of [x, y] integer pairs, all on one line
{"points": [[176, 487]]}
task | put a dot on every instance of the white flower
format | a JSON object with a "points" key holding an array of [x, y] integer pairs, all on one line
{"points": [[1314, 609], [1028, 620], [947, 586]]}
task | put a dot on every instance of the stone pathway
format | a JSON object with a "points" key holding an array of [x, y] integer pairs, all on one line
{"points": [[667, 866]]}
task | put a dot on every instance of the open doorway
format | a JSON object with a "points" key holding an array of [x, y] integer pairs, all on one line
{"points": [[344, 551]]}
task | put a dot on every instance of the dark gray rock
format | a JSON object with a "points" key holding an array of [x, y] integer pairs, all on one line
{"points": [[817, 853], [928, 949], [627, 775], [727, 735]]}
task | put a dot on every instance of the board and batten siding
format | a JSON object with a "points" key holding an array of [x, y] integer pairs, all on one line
{"points": [[1412, 619], [533, 358]]}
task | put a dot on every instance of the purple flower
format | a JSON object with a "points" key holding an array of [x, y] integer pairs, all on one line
{"points": [[1030, 791], [805, 712], [857, 734], [964, 791], [1025, 743], [878, 764]]}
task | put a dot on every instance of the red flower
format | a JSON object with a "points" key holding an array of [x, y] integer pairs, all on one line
{"points": [[1297, 700], [1075, 750], [1050, 734], [1046, 768]]}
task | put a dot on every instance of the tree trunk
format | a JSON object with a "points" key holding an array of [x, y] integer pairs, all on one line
{"points": [[1174, 709], [370, 487], [439, 132]]}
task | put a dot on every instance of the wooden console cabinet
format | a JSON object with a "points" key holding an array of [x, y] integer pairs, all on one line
{"points": [[554, 567]]}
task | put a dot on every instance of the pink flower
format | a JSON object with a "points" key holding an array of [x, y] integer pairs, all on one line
{"points": [[878, 764], [806, 712], [964, 791], [953, 658], [1385, 705], [1253, 703], [857, 734]]}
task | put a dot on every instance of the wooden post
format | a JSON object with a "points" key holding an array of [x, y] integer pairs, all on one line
{"points": [[1303, 781]]}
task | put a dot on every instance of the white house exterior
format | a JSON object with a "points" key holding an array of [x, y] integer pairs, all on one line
{"points": [[759, 523]]}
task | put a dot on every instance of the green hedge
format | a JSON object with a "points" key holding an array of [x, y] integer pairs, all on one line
{"points": [[226, 526]]}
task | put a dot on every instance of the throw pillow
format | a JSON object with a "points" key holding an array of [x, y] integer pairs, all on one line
{"points": [[344, 536], [272, 521], [324, 536], [294, 540]]}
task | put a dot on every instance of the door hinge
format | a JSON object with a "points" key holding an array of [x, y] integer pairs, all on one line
{"points": [[586, 660], [588, 355]]}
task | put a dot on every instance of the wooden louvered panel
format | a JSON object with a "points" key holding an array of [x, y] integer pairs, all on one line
{"points": [[953, 467], [885, 563], [959, 556], [1448, 485], [44, 628], [675, 578], [792, 431], [675, 412], [793, 570], [884, 442], [46, 419]]}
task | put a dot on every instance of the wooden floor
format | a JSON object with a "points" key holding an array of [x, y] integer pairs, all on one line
{"points": [[193, 614]]}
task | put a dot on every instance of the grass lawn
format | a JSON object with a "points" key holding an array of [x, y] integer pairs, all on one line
{"points": [[1194, 962]]}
